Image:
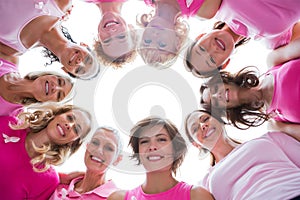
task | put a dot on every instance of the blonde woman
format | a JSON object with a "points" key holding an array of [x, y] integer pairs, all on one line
{"points": [[34, 142]]}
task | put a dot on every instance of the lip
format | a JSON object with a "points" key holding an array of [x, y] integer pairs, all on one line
{"points": [[110, 23], [154, 158], [47, 88], [97, 159], [209, 132], [220, 44], [60, 130], [74, 57]]}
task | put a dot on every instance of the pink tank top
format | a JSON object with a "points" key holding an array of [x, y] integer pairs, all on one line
{"points": [[286, 96], [16, 14], [188, 8], [180, 191]]}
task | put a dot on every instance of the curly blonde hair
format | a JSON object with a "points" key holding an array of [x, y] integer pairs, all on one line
{"points": [[35, 119], [155, 57]]}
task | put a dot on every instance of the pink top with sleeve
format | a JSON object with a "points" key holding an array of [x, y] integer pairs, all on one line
{"points": [[67, 191], [286, 97], [18, 180], [180, 191], [270, 20], [16, 14], [8, 108], [188, 8], [263, 168]]}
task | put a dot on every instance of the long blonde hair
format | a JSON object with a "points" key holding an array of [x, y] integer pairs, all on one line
{"points": [[35, 119]]}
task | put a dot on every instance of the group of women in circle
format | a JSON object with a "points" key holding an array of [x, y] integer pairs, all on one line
{"points": [[40, 130]]}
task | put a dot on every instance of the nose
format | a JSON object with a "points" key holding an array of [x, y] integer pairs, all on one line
{"points": [[69, 125], [152, 147], [203, 126], [78, 60]]}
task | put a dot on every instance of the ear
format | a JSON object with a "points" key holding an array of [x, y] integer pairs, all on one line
{"points": [[195, 144], [64, 69], [225, 64], [119, 158], [83, 44], [200, 36], [257, 104]]}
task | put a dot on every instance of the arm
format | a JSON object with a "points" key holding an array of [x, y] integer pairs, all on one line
{"points": [[287, 52], [292, 130], [118, 195], [200, 193], [209, 9]]}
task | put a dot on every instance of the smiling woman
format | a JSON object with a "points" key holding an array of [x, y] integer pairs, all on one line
{"points": [[41, 138]]}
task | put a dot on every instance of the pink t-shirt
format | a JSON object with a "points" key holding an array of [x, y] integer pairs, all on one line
{"points": [[188, 8], [264, 168], [16, 14], [18, 180], [67, 191], [7, 108], [271, 20], [286, 97], [180, 191], [101, 1]]}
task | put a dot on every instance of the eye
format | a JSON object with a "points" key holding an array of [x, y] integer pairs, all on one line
{"points": [[143, 141], [59, 96], [147, 41], [109, 148], [162, 139], [79, 70], [59, 82], [215, 89], [212, 61], [76, 129], [121, 36], [70, 118], [162, 45], [95, 142], [201, 48], [107, 41]]}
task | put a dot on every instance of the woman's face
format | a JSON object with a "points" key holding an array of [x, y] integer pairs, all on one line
{"points": [[78, 61], [211, 51], [51, 88], [222, 95], [160, 35], [114, 35], [68, 127], [156, 149], [102, 151], [204, 129]]}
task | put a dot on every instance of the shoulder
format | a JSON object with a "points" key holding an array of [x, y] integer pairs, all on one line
{"points": [[117, 195], [198, 192]]}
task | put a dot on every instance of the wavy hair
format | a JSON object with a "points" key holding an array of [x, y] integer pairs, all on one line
{"points": [[178, 143], [245, 115], [35, 119]]}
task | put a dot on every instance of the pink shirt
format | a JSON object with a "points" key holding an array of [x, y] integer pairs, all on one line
{"points": [[180, 191], [16, 14], [268, 19], [102, 1], [188, 7], [286, 97], [7, 108], [18, 180], [264, 168], [67, 191]]}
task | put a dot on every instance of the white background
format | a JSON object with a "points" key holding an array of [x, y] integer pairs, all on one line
{"points": [[143, 101]]}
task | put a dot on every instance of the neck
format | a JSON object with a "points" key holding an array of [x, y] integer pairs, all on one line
{"points": [[115, 7], [223, 147], [157, 182], [14, 88], [54, 41], [167, 11], [39, 139], [89, 182], [266, 87]]}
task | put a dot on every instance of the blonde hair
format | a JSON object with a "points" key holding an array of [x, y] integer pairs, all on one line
{"points": [[155, 57], [35, 119]]}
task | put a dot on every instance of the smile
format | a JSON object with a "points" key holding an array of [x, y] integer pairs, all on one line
{"points": [[60, 130], [155, 158], [109, 24], [220, 44], [227, 95], [47, 87], [94, 158], [209, 132]]}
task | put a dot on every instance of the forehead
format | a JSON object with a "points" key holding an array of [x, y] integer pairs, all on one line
{"points": [[196, 115], [117, 48], [153, 131], [106, 135]]}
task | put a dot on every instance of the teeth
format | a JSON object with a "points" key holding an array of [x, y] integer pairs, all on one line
{"points": [[109, 24], [210, 131], [97, 159], [220, 44], [61, 131], [47, 87], [154, 158]]}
